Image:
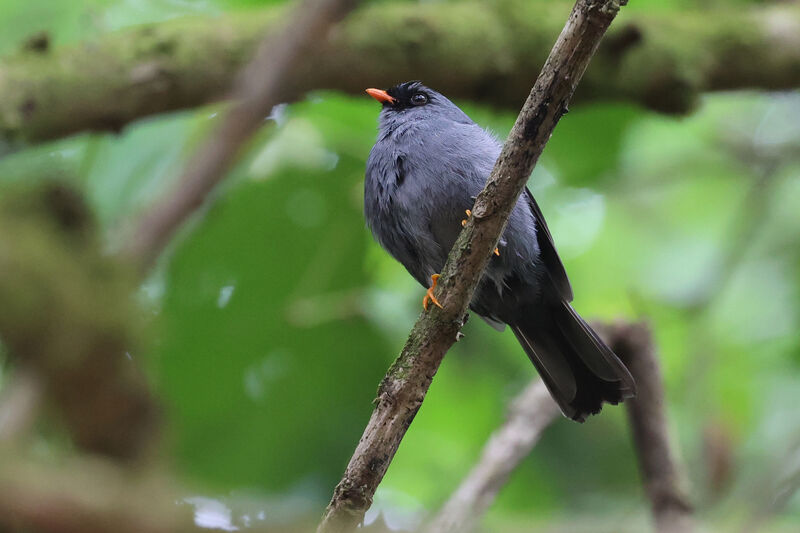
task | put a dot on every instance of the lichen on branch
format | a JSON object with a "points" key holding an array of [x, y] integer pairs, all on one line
{"points": [[662, 61]]}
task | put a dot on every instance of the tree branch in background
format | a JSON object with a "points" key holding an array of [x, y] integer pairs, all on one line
{"points": [[67, 318], [258, 90], [529, 414], [403, 389], [661, 61], [90, 496], [633, 343], [533, 410]]}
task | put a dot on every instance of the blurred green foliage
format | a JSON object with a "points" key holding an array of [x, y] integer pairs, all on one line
{"points": [[276, 314]]}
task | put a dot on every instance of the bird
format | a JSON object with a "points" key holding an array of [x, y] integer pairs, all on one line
{"points": [[428, 164]]}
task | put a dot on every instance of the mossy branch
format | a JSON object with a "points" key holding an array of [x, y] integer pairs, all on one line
{"points": [[67, 317], [403, 389], [477, 51]]}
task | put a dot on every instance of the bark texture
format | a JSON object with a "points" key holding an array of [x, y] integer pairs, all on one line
{"points": [[477, 51], [403, 389]]}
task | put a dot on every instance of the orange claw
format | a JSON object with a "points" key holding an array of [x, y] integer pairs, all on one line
{"points": [[429, 297], [497, 252], [469, 214]]}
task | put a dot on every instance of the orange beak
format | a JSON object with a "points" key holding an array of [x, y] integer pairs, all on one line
{"points": [[381, 96]]}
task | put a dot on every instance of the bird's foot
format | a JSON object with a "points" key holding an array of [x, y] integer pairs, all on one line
{"points": [[429, 297], [464, 223]]}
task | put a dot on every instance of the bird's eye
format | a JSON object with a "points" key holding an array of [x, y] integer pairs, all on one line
{"points": [[419, 99]]}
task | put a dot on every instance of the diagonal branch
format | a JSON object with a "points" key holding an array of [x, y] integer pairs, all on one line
{"points": [[403, 389], [533, 410], [530, 413], [258, 90], [67, 320]]}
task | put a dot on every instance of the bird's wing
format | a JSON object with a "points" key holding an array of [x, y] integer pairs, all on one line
{"points": [[547, 249]]}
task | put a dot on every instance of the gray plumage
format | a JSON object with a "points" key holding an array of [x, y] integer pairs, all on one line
{"points": [[429, 162]]}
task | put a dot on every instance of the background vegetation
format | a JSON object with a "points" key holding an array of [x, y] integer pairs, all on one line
{"points": [[273, 317]]}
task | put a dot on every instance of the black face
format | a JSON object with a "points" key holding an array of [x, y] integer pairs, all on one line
{"points": [[409, 94]]}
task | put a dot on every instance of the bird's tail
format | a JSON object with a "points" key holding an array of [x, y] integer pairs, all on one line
{"points": [[580, 371]]}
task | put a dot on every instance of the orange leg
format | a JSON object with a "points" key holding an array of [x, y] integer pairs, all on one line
{"points": [[429, 297], [464, 223]]}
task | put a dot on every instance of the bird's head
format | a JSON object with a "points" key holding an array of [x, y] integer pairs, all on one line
{"points": [[412, 101]]}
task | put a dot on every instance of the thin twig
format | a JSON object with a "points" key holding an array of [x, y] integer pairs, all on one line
{"points": [[257, 91], [403, 389], [529, 415], [662, 478]]}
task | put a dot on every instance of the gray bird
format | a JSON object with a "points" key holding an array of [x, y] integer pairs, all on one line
{"points": [[427, 166]]}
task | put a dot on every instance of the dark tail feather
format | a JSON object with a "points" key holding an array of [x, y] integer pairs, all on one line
{"points": [[580, 371]]}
